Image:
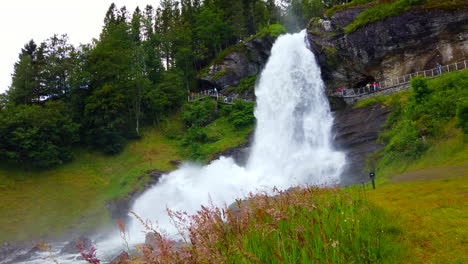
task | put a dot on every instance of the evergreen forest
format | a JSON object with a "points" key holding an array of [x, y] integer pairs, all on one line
{"points": [[135, 74]]}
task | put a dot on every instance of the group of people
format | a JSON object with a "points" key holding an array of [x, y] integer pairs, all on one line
{"points": [[209, 92], [368, 88], [375, 87]]}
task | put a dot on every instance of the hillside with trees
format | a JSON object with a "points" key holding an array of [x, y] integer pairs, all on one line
{"points": [[134, 75]]}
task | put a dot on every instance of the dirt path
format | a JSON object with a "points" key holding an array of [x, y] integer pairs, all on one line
{"points": [[432, 174]]}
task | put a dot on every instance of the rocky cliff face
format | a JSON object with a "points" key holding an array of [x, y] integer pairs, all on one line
{"points": [[356, 131], [238, 62], [413, 41]]}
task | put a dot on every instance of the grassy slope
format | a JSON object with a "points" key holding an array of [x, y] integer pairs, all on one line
{"points": [[222, 130], [431, 212], [36, 205], [428, 195]]}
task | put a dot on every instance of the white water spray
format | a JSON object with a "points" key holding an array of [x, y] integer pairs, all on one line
{"points": [[291, 147]]}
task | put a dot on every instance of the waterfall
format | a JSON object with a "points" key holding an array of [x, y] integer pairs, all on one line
{"points": [[292, 144]]}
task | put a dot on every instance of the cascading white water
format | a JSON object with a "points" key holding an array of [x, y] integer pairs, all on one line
{"points": [[291, 147]]}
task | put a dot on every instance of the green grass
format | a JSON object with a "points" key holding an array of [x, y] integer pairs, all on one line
{"points": [[383, 100], [432, 214], [37, 204], [231, 126], [309, 225], [448, 149], [427, 193], [246, 84], [384, 9], [380, 12], [338, 8], [219, 75], [273, 30], [225, 136], [447, 4]]}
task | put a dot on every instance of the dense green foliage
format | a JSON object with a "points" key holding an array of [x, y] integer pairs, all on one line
{"points": [[199, 113], [462, 115], [246, 86], [200, 116], [380, 12], [370, 101], [381, 9], [337, 8], [240, 114], [424, 115], [37, 135]]}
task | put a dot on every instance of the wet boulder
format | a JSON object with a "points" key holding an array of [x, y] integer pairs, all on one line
{"points": [[73, 246]]}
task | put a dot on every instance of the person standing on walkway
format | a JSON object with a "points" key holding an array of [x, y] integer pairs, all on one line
{"points": [[439, 68], [375, 87], [368, 87]]}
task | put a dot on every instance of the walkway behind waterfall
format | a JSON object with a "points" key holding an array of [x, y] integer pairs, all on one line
{"points": [[393, 85]]}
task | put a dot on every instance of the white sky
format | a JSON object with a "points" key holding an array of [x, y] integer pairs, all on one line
{"points": [[22, 20]]}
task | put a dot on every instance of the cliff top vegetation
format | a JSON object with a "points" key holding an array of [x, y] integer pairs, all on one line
{"points": [[377, 10]]}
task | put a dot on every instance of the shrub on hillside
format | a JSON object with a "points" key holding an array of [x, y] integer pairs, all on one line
{"points": [[420, 89], [462, 115], [194, 135], [199, 113], [38, 136], [241, 114], [415, 123]]}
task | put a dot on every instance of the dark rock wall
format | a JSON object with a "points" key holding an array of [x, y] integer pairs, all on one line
{"points": [[355, 132], [247, 59], [413, 41]]}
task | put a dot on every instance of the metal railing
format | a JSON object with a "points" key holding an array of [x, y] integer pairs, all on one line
{"points": [[215, 96], [401, 80]]}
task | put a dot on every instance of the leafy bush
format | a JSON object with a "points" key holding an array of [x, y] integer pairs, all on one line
{"points": [[462, 115], [404, 140], [35, 135], [412, 125], [107, 140], [420, 89], [199, 113], [241, 114], [194, 135]]}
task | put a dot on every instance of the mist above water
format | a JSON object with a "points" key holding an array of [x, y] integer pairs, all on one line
{"points": [[292, 144]]}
